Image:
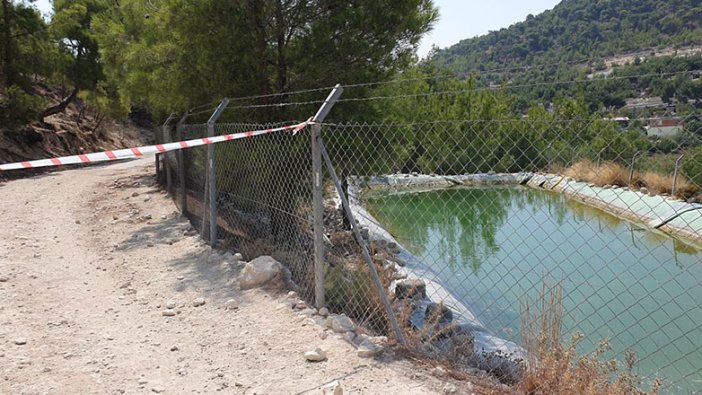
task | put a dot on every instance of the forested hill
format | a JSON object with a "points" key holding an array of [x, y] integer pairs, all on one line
{"points": [[580, 29]]}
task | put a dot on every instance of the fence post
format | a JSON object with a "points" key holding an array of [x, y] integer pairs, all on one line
{"points": [[599, 156], [318, 195], [167, 139], [633, 162], [364, 248], [210, 201], [159, 140], [675, 175], [181, 167]]}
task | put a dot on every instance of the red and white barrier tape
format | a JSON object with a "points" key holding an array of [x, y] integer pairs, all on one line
{"points": [[137, 152]]}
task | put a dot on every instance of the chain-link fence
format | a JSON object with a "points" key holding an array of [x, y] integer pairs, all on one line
{"points": [[466, 220]]}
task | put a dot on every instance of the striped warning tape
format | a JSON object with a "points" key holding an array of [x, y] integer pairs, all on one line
{"points": [[137, 152]]}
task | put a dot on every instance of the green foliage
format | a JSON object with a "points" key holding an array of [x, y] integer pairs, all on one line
{"points": [[188, 52], [480, 130], [352, 292], [72, 29], [692, 166], [27, 51], [19, 107]]}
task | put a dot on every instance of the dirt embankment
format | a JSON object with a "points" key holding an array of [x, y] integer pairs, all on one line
{"points": [[89, 260], [79, 130]]}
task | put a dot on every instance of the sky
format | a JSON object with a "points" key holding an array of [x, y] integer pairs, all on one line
{"points": [[44, 6], [461, 19]]}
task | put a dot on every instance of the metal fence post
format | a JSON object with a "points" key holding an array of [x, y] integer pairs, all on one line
{"points": [[599, 157], [364, 248], [157, 140], [675, 175], [164, 138], [633, 163], [181, 167], [211, 180], [318, 195]]}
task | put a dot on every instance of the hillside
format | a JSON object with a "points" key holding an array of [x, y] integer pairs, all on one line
{"points": [[77, 130], [580, 29]]}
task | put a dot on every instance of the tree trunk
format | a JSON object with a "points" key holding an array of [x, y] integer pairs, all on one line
{"points": [[61, 107], [282, 63], [8, 66], [256, 17]]}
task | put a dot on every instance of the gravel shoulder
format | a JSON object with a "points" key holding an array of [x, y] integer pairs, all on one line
{"points": [[89, 259]]}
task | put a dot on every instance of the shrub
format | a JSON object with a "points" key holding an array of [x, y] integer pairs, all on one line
{"points": [[663, 183], [692, 165], [351, 291], [555, 368], [19, 107], [609, 173]]}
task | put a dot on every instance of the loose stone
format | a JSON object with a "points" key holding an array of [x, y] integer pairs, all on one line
{"points": [[316, 355], [199, 302]]}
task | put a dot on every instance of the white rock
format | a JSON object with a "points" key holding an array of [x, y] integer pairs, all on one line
{"points": [[307, 312], [349, 337], [333, 388], [449, 388], [157, 390], [199, 302], [319, 321], [316, 355], [258, 272], [324, 312], [438, 371], [170, 304], [4, 279], [20, 341], [340, 323], [168, 313], [238, 257], [231, 304], [368, 350]]}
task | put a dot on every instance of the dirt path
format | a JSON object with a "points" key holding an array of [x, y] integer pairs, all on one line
{"points": [[89, 259]]}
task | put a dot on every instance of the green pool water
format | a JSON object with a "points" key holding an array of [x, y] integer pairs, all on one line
{"points": [[637, 288]]}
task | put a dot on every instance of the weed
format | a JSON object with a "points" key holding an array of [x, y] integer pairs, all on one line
{"points": [[555, 368]]}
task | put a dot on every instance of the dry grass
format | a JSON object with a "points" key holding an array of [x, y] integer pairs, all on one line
{"points": [[660, 183], [611, 173], [555, 368]]}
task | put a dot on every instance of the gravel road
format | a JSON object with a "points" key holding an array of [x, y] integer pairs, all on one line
{"points": [[90, 258]]}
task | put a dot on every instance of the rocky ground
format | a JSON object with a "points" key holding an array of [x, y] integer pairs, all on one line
{"points": [[104, 289]]}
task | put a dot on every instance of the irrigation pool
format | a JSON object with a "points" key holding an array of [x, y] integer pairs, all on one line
{"points": [[491, 246]]}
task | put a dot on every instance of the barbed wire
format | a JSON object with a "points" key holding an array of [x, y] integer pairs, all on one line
{"points": [[447, 75], [462, 91]]}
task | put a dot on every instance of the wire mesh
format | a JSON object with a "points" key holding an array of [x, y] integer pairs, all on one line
{"points": [[467, 219], [474, 215]]}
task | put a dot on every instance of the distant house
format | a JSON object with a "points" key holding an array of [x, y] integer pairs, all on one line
{"points": [[623, 122], [665, 127]]}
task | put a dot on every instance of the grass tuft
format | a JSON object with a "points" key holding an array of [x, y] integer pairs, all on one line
{"points": [[555, 368]]}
